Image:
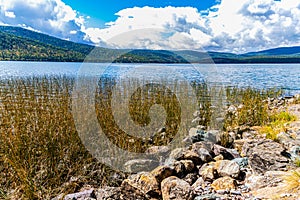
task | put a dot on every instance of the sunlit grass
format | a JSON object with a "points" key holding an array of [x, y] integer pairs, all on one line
{"points": [[41, 151], [292, 181], [277, 124]]}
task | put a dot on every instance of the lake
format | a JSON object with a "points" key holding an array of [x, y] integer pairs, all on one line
{"points": [[285, 76]]}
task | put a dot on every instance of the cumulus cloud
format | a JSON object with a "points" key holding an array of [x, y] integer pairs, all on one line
{"points": [[48, 16], [233, 26]]}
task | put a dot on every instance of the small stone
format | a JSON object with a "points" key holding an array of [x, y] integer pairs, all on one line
{"points": [[222, 192], [219, 157], [235, 192], [179, 169], [176, 189], [232, 109], [108, 193], [191, 178], [199, 183], [196, 113], [138, 165], [207, 197], [158, 150], [224, 183], [190, 155]]}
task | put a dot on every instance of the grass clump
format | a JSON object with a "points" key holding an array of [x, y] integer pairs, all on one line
{"points": [[297, 162], [277, 124], [251, 107], [292, 181]]}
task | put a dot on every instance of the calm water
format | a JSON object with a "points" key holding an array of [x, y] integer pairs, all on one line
{"points": [[286, 76]]}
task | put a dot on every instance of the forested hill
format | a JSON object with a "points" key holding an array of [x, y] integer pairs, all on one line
{"points": [[24, 45]]}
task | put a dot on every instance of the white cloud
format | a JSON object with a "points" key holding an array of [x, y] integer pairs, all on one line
{"points": [[233, 26], [9, 14], [48, 16]]}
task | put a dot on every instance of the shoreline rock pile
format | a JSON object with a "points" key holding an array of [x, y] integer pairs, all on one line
{"points": [[253, 168]]}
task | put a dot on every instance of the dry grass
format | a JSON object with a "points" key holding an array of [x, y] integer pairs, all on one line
{"points": [[42, 154], [292, 181], [39, 146], [251, 104]]}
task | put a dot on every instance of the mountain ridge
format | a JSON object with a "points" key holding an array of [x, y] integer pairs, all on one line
{"points": [[17, 43]]}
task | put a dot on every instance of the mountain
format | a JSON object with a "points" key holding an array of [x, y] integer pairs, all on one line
{"points": [[25, 45], [288, 51]]}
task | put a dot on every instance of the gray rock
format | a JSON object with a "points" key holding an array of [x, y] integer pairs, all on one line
{"points": [[204, 155], [242, 162], [203, 144], [184, 154], [287, 141], [265, 155], [108, 193], [227, 168], [207, 197], [295, 153], [173, 188], [138, 165], [84, 195]]}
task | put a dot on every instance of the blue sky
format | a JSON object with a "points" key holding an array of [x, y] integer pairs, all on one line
{"points": [[102, 11], [236, 26]]}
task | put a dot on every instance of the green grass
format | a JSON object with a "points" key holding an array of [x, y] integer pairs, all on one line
{"points": [[277, 124], [297, 162]]}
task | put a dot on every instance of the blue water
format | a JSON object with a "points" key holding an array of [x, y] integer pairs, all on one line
{"points": [[284, 76]]}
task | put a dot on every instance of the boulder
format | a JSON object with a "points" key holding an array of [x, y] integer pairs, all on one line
{"points": [[189, 166], [184, 154], [142, 183], [204, 155], [162, 172], [265, 155], [208, 172], [228, 154], [173, 188], [224, 183], [227, 168]]}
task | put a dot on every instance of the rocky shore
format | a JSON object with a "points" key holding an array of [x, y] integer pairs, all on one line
{"points": [[252, 167]]}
